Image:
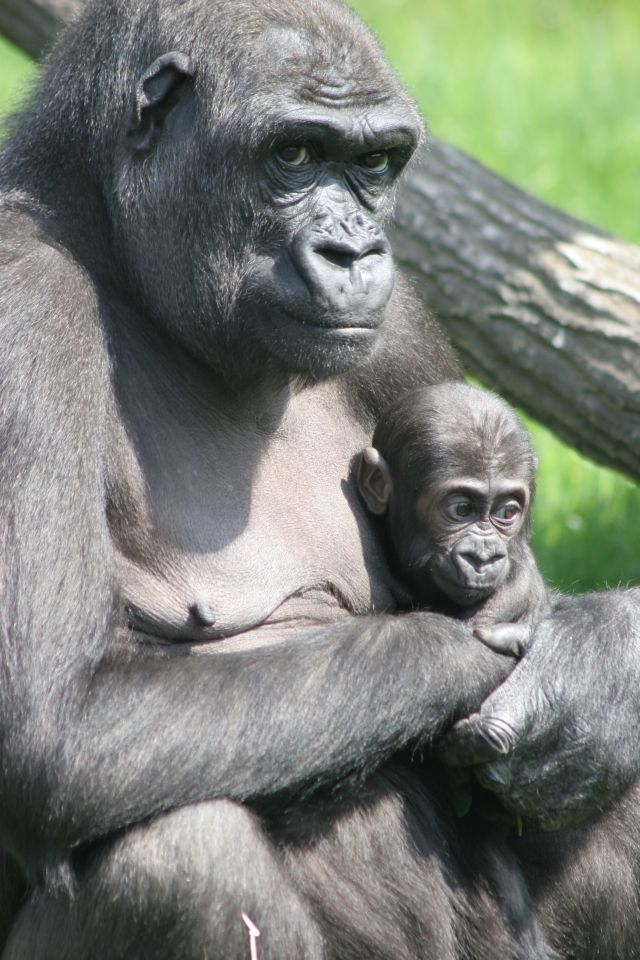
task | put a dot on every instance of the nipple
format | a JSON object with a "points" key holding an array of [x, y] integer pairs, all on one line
{"points": [[203, 613]]}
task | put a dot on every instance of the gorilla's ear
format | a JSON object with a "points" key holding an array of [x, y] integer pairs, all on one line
{"points": [[374, 480], [157, 92]]}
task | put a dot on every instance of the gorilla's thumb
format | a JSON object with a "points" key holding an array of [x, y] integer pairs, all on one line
{"points": [[491, 733]]}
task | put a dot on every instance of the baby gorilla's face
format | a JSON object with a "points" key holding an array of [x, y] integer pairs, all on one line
{"points": [[459, 536], [454, 515]]}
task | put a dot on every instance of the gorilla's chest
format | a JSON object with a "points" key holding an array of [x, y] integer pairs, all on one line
{"points": [[256, 526]]}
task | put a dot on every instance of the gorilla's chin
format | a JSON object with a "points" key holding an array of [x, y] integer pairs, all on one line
{"points": [[317, 351]]}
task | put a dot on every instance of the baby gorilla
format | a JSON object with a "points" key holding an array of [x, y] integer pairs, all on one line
{"points": [[453, 471], [452, 474]]}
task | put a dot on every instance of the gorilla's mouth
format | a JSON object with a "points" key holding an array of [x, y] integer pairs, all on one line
{"points": [[318, 328], [333, 326], [313, 345], [465, 587], [287, 298]]}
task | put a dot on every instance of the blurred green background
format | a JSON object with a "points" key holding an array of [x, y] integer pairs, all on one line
{"points": [[547, 94]]}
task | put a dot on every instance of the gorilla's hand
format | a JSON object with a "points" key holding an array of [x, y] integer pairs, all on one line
{"points": [[511, 638], [559, 739]]}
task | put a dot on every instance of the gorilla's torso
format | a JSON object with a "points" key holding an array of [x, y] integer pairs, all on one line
{"points": [[254, 515]]}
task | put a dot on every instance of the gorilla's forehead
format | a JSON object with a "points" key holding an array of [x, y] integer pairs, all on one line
{"points": [[322, 67], [486, 455]]}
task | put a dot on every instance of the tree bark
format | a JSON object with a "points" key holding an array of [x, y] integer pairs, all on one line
{"points": [[541, 307], [33, 24]]}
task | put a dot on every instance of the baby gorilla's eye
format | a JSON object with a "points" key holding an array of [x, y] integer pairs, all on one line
{"points": [[378, 160], [508, 512], [459, 509], [295, 154]]}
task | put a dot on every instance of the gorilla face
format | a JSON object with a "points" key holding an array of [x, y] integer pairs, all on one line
{"points": [[323, 292], [463, 535], [252, 196]]}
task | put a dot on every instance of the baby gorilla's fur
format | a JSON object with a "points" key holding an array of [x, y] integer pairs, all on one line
{"points": [[452, 472]]}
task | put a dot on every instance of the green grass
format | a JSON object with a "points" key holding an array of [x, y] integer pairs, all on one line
{"points": [[546, 93], [16, 69], [586, 530]]}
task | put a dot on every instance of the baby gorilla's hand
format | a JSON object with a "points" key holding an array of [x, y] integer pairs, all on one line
{"points": [[512, 638]]}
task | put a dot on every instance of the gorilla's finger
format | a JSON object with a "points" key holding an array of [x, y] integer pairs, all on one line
{"points": [[509, 638], [494, 776], [478, 740], [483, 737]]}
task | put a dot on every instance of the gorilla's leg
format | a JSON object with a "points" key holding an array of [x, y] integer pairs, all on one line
{"points": [[585, 882], [377, 872], [174, 889], [393, 874]]}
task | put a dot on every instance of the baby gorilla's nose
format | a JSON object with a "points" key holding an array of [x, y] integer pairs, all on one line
{"points": [[480, 558], [483, 554]]}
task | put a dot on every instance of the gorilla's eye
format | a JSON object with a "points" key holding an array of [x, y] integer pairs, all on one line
{"points": [[460, 509], [508, 512], [295, 154], [378, 161]]}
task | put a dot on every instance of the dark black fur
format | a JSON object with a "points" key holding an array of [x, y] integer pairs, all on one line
{"points": [[196, 337]]}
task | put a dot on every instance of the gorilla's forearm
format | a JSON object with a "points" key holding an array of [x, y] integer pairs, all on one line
{"points": [[300, 713]]}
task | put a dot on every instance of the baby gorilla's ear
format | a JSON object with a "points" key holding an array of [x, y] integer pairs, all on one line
{"points": [[374, 480]]}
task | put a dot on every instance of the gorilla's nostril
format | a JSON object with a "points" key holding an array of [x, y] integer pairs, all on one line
{"points": [[345, 255], [479, 562], [340, 258], [350, 278]]}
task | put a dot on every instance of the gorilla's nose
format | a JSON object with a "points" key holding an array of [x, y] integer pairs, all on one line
{"points": [[346, 265], [480, 555], [478, 559], [347, 251]]}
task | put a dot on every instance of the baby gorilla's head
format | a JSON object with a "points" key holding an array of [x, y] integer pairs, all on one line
{"points": [[452, 470]]}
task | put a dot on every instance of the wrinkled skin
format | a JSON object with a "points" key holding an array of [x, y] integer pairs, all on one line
{"points": [[209, 705]]}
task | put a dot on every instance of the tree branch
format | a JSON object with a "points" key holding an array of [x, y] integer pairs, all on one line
{"points": [[541, 307], [33, 24]]}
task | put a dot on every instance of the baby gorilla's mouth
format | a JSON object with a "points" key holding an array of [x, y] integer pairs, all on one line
{"points": [[466, 583]]}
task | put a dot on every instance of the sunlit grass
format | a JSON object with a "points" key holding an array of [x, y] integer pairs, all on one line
{"points": [[545, 93], [586, 520], [16, 69]]}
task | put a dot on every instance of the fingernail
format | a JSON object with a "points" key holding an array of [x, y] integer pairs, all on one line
{"points": [[497, 773]]}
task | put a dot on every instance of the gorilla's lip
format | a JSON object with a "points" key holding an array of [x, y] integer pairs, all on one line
{"points": [[332, 329], [466, 595], [478, 585], [458, 588]]}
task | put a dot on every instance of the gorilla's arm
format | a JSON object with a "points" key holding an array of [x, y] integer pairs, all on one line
{"points": [[95, 735], [559, 740]]}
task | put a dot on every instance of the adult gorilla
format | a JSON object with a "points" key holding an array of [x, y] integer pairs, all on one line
{"points": [[198, 332]]}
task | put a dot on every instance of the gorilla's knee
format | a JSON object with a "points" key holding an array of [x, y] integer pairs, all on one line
{"points": [[176, 887]]}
